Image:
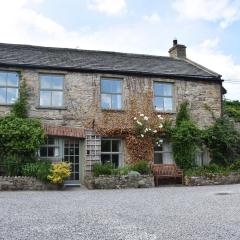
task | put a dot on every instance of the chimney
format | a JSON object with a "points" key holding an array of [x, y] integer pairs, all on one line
{"points": [[177, 50]]}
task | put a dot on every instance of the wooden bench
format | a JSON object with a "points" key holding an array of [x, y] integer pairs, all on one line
{"points": [[163, 171]]}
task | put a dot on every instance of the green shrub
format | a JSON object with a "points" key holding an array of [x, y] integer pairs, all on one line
{"points": [[235, 166], [185, 138], [232, 109], [222, 140], [20, 136], [39, 169], [141, 166], [207, 170], [11, 165], [121, 170], [102, 169]]}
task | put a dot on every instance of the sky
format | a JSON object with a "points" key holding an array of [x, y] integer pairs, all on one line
{"points": [[209, 28]]}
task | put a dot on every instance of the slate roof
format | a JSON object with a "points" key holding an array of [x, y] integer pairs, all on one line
{"points": [[100, 61]]}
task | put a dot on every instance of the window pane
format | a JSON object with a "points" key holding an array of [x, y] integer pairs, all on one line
{"points": [[105, 158], [57, 82], [158, 159], [43, 152], [106, 145], [158, 89], [51, 152], [66, 151], [168, 104], [167, 158], [12, 79], [12, 95], [76, 151], [116, 101], [105, 86], [115, 145], [45, 82], [115, 160], [71, 151], [167, 89], [158, 148], [159, 103], [76, 176], [50, 141], [3, 95], [106, 101], [116, 86], [45, 98], [3, 78], [57, 98], [56, 152]]}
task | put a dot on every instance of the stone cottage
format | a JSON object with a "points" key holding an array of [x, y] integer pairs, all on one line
{"points": [[74, 92]]}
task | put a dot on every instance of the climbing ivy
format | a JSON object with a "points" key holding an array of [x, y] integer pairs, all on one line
{"points": [[20, 108], [185, 138]]}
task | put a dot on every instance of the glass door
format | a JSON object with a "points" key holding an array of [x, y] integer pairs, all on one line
{"points": [[71, 154]]}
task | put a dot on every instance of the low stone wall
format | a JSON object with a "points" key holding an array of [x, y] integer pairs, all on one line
{"points": [[119, 182], [212, 179], [21, 183]]}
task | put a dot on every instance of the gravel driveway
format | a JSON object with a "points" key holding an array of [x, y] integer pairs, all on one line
{"points": [[158, 213]]}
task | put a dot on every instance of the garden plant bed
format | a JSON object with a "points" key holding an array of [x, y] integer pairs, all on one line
{"points": [[25, 183], [212, 179], [119, 181]]}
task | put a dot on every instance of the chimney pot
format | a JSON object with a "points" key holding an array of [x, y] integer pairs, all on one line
{"points": [[174, 42]]}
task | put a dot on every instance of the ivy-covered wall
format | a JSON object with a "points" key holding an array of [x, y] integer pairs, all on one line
{"points": [[82, 103]]}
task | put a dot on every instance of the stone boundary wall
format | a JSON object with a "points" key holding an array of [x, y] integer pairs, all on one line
{"points": [[213, 179], [119, 182], [21, 183]]}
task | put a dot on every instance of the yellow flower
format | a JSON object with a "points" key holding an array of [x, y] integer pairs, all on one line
{"points": [[58, 172]]}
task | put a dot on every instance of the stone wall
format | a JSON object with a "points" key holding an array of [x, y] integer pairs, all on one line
{"points": [[82, 97], [82, 100], [119, 182], [213, 179], [21, 183]]}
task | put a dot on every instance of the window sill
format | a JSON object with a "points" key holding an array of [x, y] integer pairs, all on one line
{"points": [[6, 104], [112, 110], [165, 112], [52, 108]]}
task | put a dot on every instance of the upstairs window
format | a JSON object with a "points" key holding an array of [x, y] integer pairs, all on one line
{"points": [[51, 90], [111, 93], [163, 96], [9, 82]]}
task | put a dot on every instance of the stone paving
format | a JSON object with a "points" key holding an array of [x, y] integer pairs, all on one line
{"points": [[168, 212]]}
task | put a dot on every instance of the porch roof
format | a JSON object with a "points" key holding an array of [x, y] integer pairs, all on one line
{"points": [[62, 131]]}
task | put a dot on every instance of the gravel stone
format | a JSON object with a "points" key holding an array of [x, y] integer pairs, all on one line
{"points": [[168, 212]]}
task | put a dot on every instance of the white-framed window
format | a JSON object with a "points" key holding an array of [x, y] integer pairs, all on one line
{"points": [[51, 90], [163, 154], [9, 83], [163, 96], [111, 93], [51, 149], [111, 151]]}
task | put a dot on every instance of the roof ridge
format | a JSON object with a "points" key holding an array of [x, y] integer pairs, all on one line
{"points": [[88, 50]]}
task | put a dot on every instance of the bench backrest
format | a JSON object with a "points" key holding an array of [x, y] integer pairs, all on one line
{"points": [[164, 169]]}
